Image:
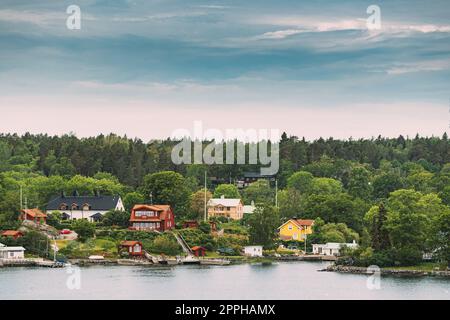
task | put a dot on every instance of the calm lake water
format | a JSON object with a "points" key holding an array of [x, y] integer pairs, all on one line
{"points": [[284, 280]]}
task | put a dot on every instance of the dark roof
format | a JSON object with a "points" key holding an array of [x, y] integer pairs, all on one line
{"points": [[256, 175], [101, 203]]}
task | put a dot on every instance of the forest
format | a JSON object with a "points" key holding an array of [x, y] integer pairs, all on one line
{"points": [[392, 195]]}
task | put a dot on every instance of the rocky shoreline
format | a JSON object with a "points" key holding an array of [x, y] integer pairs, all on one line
{"points": [[387, 271]]}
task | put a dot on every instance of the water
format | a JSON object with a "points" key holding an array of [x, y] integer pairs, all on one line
{"points": [[287, 280]]}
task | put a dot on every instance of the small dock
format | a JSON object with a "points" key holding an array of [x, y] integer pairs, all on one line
{"points": [[30, 263]]}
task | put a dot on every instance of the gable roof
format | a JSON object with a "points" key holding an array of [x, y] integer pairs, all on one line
{"points": [[35, 213], [195, 248], [163, 210], [130, 243], [12, 249], [11, 233], [102, 203], [305, 222], [224, 202], [299, 223]]}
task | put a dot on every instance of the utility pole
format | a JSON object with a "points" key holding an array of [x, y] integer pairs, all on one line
{"points": [[305, 241], [21, 198], [276, 193], [205, 211]]}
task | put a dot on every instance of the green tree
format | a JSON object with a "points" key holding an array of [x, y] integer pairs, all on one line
{"points": [[131, 199], [290, 203], [263, 223], [376, 219], [408, 225], [229, 191], [116, 218], [259, 192], [386, 183], [359, 185], [84, 229], [168, 187], [197, 203], [301, 181], [441, 236]]}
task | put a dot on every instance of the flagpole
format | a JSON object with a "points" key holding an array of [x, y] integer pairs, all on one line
{"points": [[205, 213]]}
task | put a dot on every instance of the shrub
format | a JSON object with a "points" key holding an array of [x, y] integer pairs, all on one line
{"points": [[165, 244], [84, 229]]}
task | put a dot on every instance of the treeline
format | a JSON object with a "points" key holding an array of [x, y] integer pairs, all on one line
{"points": [[390, 195], [130, 160]]}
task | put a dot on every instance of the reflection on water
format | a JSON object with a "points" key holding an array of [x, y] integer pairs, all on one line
{"points": [[290, 280]]}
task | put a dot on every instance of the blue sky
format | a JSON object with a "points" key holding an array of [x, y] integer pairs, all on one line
{"points": [[146, 68]]}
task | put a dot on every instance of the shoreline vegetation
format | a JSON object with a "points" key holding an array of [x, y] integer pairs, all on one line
{"points": [[410, 271], [390, 197]]}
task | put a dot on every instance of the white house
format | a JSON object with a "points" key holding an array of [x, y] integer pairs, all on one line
{"points": [[85, 207], [332, 248], [253, 251], [248, 209], [15, 253]]}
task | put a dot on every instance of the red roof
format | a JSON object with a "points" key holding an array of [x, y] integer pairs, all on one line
{"points": [[163, 210], [130, 243], [305, 222], [35, 213], [196, 248], [11, 233]]}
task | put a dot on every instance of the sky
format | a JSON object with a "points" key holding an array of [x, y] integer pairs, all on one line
{"points": [[148, 68]]}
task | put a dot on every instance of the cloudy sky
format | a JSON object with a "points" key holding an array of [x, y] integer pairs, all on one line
{"points": [[147, 68]]}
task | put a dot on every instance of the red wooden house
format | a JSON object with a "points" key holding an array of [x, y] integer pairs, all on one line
{"points": [[152, 217], [198, 251], [133, 248], [12, 233], [34, 215]]}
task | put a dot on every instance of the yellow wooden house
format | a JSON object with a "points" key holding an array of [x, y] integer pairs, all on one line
{"points": [[296, 229]]}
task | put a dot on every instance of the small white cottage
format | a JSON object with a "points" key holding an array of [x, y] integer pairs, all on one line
{"points": [[332, 248], [253, 251], [15, 253]]}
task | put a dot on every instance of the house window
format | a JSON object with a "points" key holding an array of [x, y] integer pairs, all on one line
{"points": [[74, 206], [290, 227], [63, 206]]}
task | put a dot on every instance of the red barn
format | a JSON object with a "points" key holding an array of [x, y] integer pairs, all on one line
{"points": [[133, 248], [199, 251], [12, 233], [152, 217], [34, 215]]}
